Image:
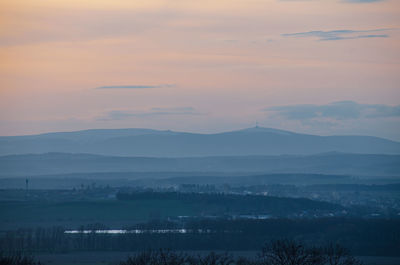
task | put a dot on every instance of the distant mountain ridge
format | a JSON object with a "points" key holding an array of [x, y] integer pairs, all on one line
{"points": [[329, 163], [156, 143]]}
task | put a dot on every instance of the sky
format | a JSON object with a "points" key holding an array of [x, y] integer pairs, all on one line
{"points": [[324, 67]]}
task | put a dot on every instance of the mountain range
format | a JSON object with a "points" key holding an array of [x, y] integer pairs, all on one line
{"points": [[103, 166], [154, 143]]}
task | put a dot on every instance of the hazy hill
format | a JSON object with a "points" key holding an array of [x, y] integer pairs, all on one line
{"points": [[330, 163], [153, 143]]}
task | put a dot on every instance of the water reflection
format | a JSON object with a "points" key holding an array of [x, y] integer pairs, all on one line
{"points": [[138, 231]]}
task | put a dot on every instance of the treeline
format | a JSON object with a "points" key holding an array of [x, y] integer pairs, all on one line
{"points": [[363, 237], [17, 259], [231, 203], [277, 252]]}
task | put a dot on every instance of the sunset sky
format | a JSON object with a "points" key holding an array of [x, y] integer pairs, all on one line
{"points": [[315, 66]]}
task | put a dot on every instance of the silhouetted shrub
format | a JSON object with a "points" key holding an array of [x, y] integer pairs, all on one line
{"points": [[17, 259], [338, 255], [278, 252], [292, 252], [166, 257]]}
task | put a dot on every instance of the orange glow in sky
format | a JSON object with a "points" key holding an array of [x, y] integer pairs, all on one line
{"points": [[210, 65]]}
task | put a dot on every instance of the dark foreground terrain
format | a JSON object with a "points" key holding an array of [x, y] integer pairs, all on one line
{"points": [[276, 252], [92, 222], [54, 221]]}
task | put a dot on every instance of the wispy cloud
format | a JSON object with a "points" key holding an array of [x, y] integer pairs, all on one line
{"points": [[153, 112], [339, 34], [342, 110], [135, 86], [174, 109]]}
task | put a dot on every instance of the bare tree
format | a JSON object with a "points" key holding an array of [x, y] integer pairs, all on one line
{"points": [[160, 257], [216, 259], [290, 252], [338, 255]]}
